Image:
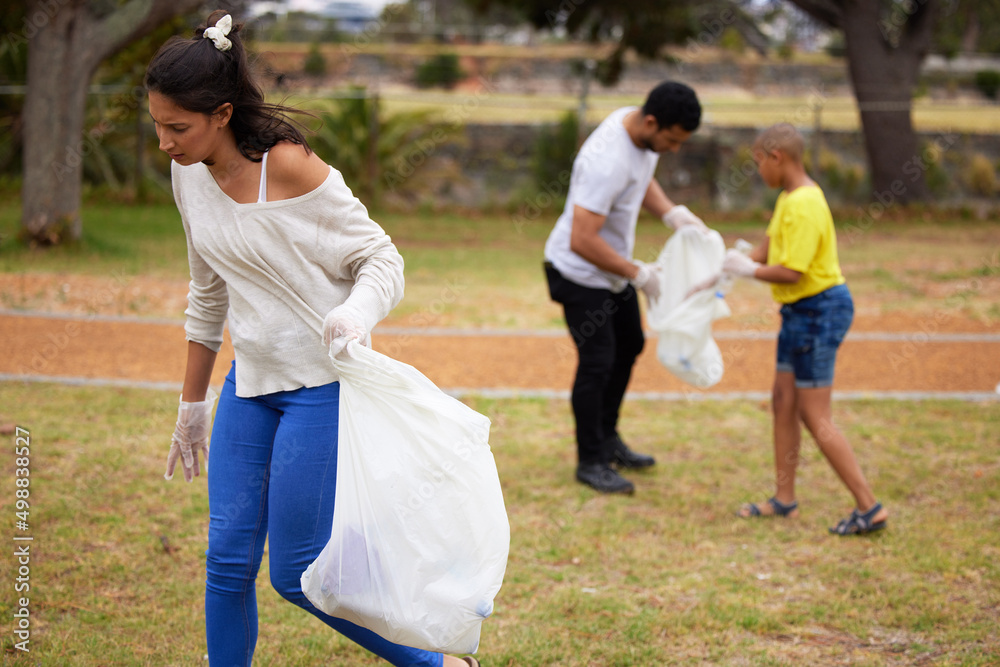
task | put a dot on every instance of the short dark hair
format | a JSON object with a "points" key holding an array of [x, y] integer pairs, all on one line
{"points": [[673, 103], [198, 77]]}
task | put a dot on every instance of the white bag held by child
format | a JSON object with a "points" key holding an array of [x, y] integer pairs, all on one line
{"points": [[420, 533], [684, 322]]}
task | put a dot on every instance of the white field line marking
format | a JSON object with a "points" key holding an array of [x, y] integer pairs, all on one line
{"points": [[552, 394], [906, 336]]}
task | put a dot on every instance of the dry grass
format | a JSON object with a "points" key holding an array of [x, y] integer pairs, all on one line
{"points": [[669, 576]]}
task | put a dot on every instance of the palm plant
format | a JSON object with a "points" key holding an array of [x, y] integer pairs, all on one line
{"points": [[372, 149]]}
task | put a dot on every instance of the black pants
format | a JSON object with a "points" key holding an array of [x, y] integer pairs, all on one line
{"points": [[607, 331]]}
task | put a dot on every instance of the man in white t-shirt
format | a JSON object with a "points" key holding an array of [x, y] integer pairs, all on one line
{"points": [[591, 272]]}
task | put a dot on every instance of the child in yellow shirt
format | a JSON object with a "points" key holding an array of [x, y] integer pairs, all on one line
{"points": [[799, 258]]}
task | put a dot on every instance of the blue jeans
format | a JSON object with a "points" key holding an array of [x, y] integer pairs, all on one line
{"points": [[812, 330], [273, 474]]}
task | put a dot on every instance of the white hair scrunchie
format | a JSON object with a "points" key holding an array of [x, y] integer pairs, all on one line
{"points": [[218, 33]]}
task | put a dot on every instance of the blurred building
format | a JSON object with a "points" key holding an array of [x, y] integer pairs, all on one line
{"points": [[350, 17]]}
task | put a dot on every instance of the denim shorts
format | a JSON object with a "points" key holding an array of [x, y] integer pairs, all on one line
{"points": [[811, 331]]}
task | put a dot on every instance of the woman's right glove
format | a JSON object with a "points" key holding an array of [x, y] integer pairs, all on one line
{"points": [[194, 424], [342, 325]]}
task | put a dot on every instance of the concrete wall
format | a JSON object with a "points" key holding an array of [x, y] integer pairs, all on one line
{"points": [[492, 165]]}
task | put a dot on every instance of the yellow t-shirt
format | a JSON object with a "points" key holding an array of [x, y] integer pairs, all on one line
{"points": [[802, 238]]}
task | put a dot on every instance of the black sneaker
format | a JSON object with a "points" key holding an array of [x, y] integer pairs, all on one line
{"points": [[601, 477], [626, 458]]}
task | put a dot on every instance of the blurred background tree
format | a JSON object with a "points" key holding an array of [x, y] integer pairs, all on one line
{"points": [[13, 74], [372, 149], [66, 44], [885, 44]]}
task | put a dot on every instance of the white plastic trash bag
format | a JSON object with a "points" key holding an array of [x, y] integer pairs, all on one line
{"points": [[420, 533], [684, 323]]}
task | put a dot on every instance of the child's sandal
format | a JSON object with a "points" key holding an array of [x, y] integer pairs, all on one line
{"points": [[860, 523], [780, 509]]}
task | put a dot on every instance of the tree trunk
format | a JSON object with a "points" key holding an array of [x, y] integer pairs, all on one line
{"points": [[970, 35], [884, 52], [54, 109], [66, 43], [884, 77]]}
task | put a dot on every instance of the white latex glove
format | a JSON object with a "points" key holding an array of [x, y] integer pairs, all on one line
{"points": [[194, 424], [739, 264], [342, 324], [681, 216], [648, 280]]}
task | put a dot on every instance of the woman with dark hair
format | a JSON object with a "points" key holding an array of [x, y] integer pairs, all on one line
{"points": [[279, 245]]}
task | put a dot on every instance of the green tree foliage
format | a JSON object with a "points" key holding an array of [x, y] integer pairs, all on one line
{"points": [[556, 148], [969, 26], [403, 142], [315, 63], [442, 70], [13, 72], [645, 26], [988, 82]]}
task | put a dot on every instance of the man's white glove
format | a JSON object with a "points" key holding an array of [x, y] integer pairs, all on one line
{"points": [[342, 325], [194, 423], [648, 280], [739, 264], [681, 216]]}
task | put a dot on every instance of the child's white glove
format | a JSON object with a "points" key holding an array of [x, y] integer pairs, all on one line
{"points": [[681, 216], [343, 324], [739, 264], [194, 424], [648, 280]]}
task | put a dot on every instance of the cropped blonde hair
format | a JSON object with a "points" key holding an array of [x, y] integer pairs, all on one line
{"points": [[781, 137]]}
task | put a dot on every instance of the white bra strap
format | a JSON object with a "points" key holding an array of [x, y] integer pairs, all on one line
{"points": [[262, 196]]}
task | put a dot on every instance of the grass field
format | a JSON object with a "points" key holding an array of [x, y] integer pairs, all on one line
{"points": [[667, 577], [836, 113], [483, 270]]}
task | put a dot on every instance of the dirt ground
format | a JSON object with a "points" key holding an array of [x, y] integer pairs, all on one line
{"points": [[69, 327]]}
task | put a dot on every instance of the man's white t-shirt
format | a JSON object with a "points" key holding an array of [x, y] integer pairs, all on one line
{"points": [[610, 177]]}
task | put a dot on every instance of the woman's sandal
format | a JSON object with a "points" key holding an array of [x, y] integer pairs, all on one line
{"points": [[860, 523], [780, 509]]}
